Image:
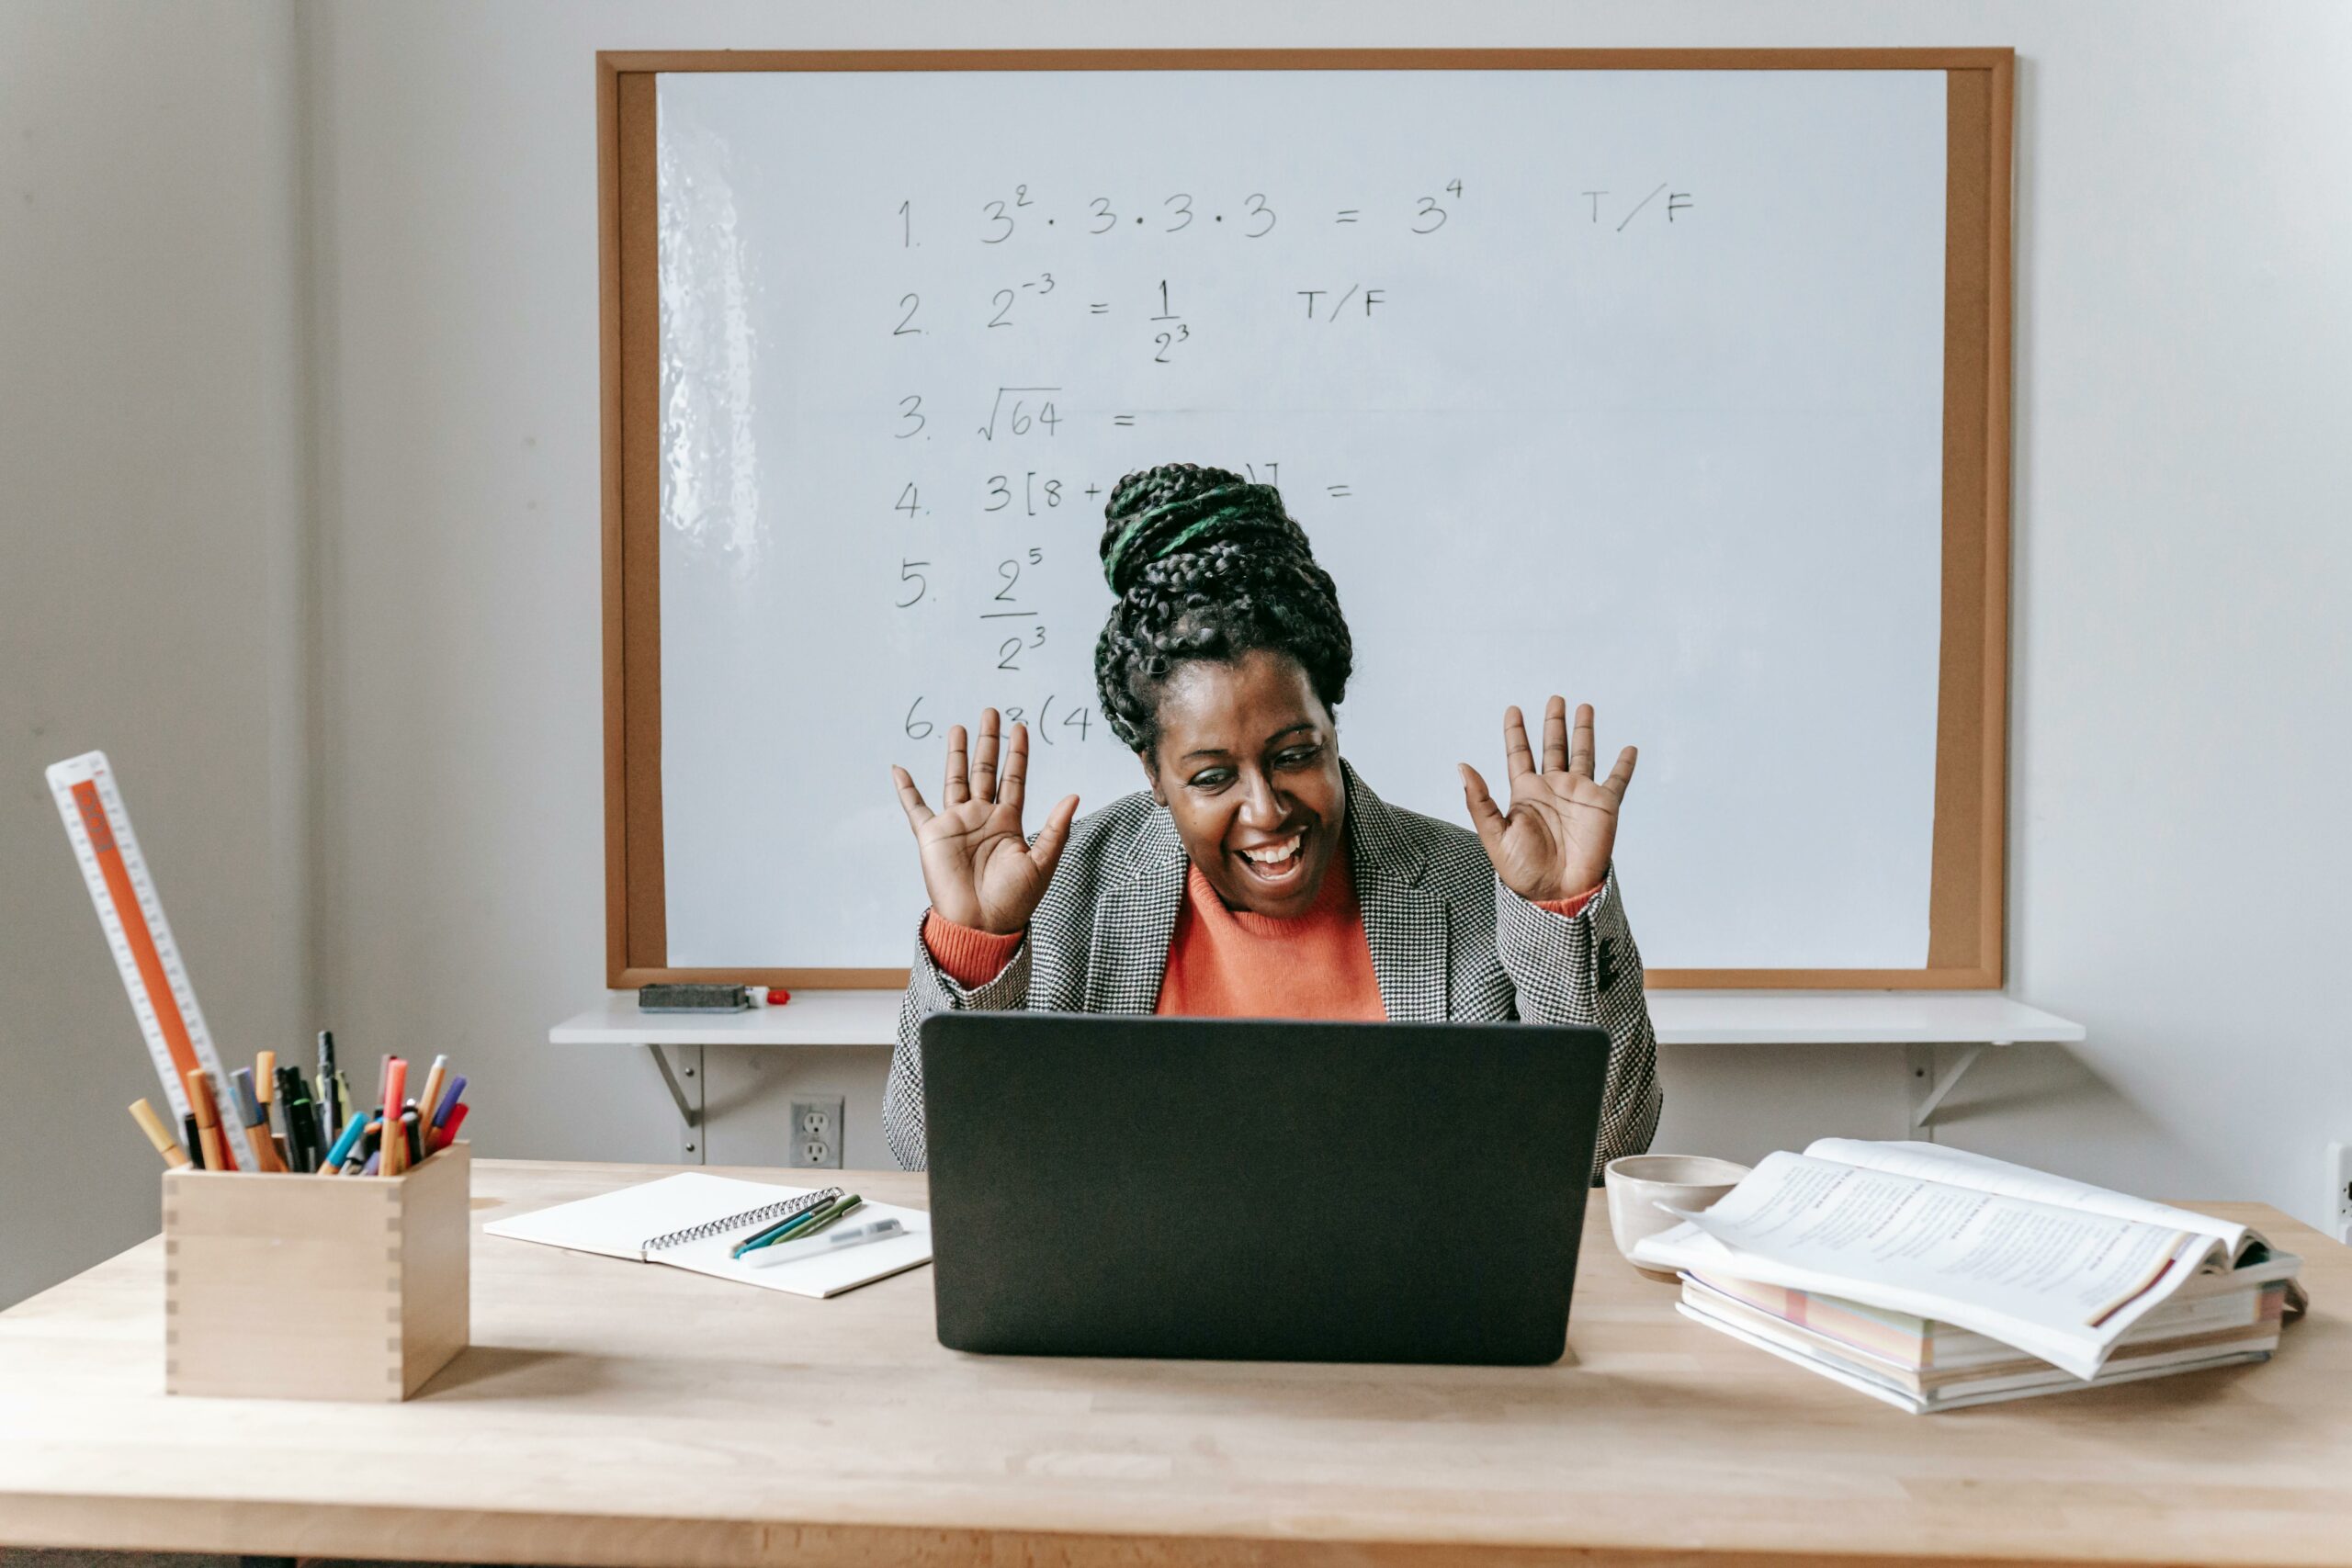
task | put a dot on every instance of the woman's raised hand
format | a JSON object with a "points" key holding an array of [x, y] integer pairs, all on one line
{"points": [[1555, 841], [978, 866]]}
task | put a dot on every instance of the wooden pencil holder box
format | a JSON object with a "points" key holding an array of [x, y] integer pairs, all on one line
{"points": [[316, 1287]]}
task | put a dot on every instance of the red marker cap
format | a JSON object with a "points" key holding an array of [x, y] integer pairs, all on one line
{"points": [[778, 996]]}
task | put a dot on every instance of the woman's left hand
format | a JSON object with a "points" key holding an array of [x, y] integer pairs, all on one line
{"points": [[1555, 841]]}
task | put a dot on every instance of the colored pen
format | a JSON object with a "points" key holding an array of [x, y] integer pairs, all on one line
{"points": [[412, 1140], [792, 1224], [344, 1146], [807, 1224], [208, 1120], [157, 1134], [448, 1133], [257, 1122], [827, 1220], [434, 1076], [449, 1097], [856, 1235], [816, 1201], [329, 1120], [395, 1093], [189, 1141], [292, 1114]]}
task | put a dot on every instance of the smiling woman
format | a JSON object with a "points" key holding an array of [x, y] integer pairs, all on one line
{"points": [[1258, 876]]}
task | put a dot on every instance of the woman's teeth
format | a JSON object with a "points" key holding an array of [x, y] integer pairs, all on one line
{"points": [[1277, 857]]}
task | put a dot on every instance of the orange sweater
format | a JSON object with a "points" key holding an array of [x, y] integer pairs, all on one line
{"points": [[1230, 963]]}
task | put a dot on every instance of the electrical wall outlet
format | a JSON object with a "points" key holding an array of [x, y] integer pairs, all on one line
{"points": [[2339, 1184], [815, 1132]]}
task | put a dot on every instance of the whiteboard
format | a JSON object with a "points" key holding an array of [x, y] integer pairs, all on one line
{"points": [[1625, 385]]}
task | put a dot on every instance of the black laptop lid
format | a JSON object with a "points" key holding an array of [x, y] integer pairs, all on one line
{"points": [[1256, 1191]]}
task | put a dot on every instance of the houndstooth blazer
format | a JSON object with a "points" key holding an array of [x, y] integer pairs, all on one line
{"points": [[1449, 942]]}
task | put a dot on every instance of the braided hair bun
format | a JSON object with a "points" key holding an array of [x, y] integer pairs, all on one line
{"points": [[1207, 565]]}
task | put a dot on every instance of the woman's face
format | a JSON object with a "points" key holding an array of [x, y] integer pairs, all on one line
{"points": [[1248, 763]]}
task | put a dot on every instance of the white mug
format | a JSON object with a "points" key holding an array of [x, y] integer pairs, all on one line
{"points": [[1639, 1183]]}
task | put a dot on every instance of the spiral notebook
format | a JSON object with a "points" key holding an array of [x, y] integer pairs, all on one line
{"points": [[694, 1221]]}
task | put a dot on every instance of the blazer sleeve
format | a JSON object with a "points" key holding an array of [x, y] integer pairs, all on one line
{"points": [[1586, 970], [931, 989]]}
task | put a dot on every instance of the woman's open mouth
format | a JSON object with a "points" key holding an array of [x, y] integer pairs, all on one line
{"points": [[1275, 866]]}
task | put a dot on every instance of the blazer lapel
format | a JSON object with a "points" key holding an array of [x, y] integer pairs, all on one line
{"points": [[1135, 919], [1406, 926]]}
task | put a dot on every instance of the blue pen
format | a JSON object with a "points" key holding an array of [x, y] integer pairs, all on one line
{"points": [[449, 1100], [341, 1150]]}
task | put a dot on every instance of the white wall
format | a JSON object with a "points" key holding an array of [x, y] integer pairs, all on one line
{"points": [[152, 562], [2179, 662]]}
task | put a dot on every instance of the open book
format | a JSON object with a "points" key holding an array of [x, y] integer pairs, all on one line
{"points": [[2059, 1269], [692, 1221]]}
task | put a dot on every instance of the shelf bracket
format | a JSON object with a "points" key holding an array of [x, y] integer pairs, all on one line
{"points": [[684, 1084], [1923, 1063]]}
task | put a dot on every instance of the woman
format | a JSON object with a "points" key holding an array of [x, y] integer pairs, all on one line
{"points": [[1259, 876]]}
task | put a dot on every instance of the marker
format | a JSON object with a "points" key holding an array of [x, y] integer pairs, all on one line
{"points": [[435, 1075], [330, 1118], [448, 1133], [449, 1097], [189, 1141], [303, 1145], [395, 1093], [856, 1235], [257, 1122], [412, 1140], [152, 1125], [352, 1132], [207, 1119]]}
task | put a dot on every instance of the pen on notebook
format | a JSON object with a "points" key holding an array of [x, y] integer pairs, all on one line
{"points": [[826, 1220], [794, 1226], [826, 1245], [804, 1224], [157, 1133], [810, 1201]]}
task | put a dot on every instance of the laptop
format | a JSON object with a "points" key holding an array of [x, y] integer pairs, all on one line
{"points": [[1249, 1189]]}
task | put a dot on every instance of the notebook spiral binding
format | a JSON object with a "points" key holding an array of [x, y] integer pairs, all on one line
{"points": [[765, 1214]]}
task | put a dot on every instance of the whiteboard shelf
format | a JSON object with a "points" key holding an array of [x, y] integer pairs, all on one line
{"points": [[1681, 1017], [1921, 1021]]}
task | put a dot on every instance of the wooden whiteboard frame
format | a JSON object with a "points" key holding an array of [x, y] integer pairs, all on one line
{"points": [[1966, 890]]}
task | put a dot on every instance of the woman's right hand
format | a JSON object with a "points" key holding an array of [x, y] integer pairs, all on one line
{"points": [[978, 866]]}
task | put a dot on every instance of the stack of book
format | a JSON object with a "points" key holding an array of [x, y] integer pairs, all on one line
{"points": [[1933, 1279]]}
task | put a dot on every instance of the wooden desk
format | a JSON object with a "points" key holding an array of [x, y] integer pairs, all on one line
{"points": [[627, 1414]]}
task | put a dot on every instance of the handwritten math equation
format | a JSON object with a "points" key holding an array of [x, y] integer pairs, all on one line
{"points": [[1030, 512]]}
